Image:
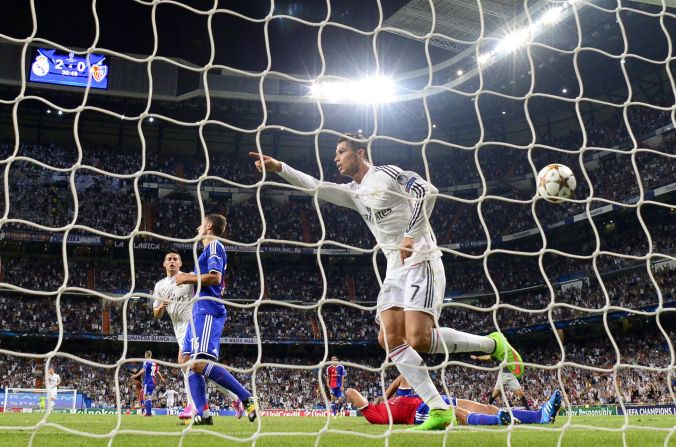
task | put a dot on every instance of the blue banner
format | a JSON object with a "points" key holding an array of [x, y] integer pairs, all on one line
{"points": [[38, 400]]}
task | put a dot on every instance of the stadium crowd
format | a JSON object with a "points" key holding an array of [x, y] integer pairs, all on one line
{"points": [[52, 203], [629, 287], [519, 279], [283, 384]]}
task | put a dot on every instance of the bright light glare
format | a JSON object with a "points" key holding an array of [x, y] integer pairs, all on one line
{"points": [[513, 41], [551, 17], [374, 90], [483, 58], [459, 72]]}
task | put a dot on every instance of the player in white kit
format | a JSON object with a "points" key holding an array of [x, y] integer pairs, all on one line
{"points": [[170, 395], [53, 382], [396, 206], [175, 300]]}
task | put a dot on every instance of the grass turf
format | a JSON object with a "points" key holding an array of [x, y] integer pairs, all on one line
{"points": [[277, 431]]}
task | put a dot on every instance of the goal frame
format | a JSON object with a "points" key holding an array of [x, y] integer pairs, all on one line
{"points": [[39, 391]]}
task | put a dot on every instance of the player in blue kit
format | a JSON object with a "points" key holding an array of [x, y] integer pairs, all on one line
{"points": [[150, 372], [335, 381], [208, 314]]}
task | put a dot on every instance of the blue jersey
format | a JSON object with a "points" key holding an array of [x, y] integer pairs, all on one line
{"points": [[335, 374], [212, 260], [149, 371], [406, 392]]}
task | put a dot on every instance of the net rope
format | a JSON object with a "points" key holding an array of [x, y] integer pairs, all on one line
{"points": [[270, 181]]}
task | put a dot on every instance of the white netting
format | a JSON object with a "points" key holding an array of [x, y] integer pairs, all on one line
{"points": [[508, 129]]}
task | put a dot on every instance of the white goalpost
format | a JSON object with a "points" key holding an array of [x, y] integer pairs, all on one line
{"points": [[30, 400], [470, 80]]}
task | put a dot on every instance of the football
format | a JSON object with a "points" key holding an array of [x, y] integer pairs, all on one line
{"points": [[556, 182]]}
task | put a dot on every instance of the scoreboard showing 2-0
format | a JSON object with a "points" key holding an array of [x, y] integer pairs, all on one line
{"points": [[56, 67]]}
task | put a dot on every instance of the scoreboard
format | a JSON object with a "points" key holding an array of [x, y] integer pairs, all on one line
{"points": [[56, 67]]}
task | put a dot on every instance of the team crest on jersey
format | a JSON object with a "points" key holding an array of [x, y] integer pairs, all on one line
{"points": [[99, 72], [402, 179]]}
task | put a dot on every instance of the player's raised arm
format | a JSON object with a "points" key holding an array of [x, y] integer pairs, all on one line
{"points": [[394, 386], [331, 192], [271, 164]]}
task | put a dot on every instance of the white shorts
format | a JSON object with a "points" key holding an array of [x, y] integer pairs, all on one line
{"points": [[180, 330], [420, 287], [52, 393], [508, 381]]}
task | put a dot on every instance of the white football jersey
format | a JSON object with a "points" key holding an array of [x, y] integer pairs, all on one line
{"points": [[53, 380], [179, 309], [392, 202]]}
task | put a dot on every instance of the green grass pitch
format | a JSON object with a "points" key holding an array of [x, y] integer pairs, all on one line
{"points": [[644, 431]]}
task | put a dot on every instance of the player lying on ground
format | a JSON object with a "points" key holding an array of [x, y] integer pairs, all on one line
{"points": [[202, 339], [175, 301], [408, 408], [396, 206]]}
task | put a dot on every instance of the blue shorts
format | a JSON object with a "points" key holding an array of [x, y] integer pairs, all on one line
{"points": [[337, 392], [207, 336], [148, 389]]}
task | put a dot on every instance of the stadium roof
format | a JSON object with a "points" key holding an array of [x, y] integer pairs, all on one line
{"points": [[457, 19]]}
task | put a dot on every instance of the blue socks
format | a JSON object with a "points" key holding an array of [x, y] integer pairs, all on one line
{"points": [[528, 416], [222, 377], [149, 407], [198, 391], [482, 419]]}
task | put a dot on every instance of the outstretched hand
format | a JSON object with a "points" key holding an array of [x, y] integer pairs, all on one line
{"points": [[271, 164]]}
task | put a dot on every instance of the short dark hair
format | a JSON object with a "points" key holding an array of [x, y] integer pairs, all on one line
{"points": [[217, 222], [172, 252], [355, 141]]}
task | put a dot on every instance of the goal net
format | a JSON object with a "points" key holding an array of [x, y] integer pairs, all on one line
{"points": [[115, 145], [27, 400]]}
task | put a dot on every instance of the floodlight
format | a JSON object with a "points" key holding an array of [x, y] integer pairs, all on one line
{"points": [[513, 41]]}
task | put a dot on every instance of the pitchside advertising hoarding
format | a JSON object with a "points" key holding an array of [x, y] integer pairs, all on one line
{"points": [[616, 410], [176, 411]]}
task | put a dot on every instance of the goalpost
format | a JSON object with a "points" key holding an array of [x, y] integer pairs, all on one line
{"points": [[29, 400], [324, 91]]}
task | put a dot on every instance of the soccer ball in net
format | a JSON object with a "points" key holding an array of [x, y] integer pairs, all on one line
{"points": [[556, 182]]}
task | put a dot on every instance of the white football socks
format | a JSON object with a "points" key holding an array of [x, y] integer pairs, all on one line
{"points": [[411, 366], [457, 341], [186, 384]]}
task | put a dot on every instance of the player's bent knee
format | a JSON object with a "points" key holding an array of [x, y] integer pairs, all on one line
{"points": [[419, 341], [198, 367]]}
